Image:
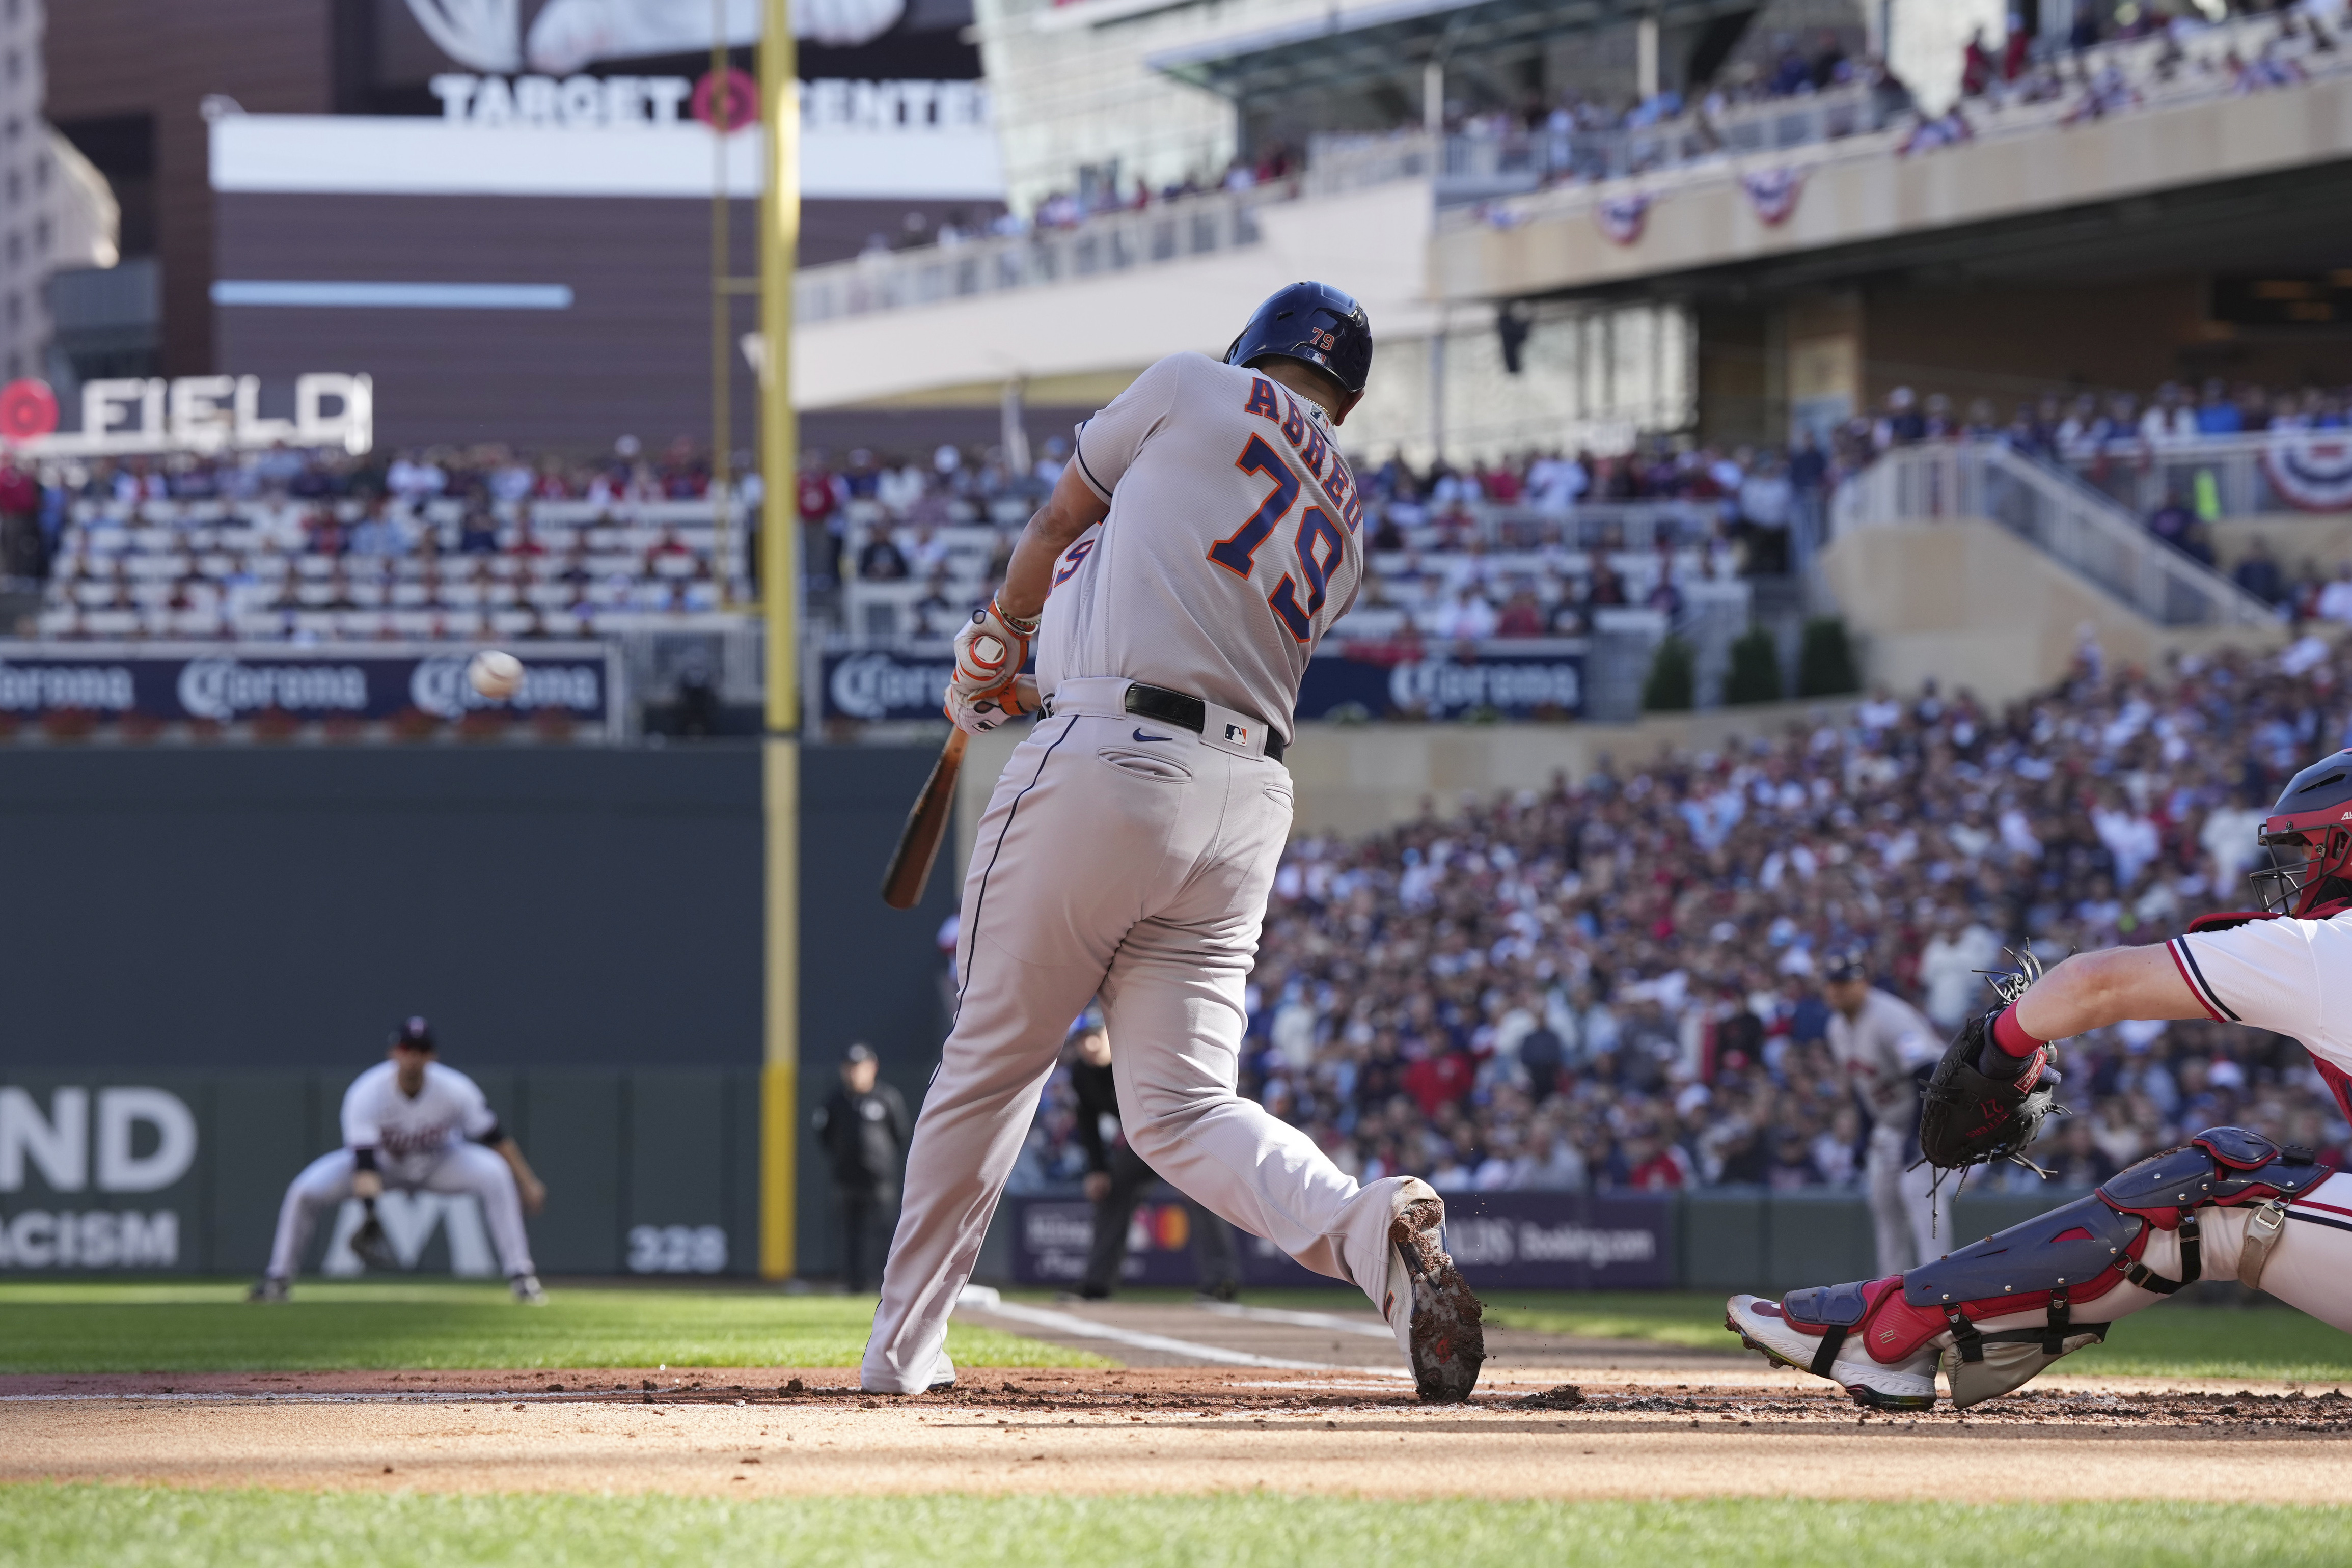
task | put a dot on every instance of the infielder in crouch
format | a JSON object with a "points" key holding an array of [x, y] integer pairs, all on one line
{"points": [[2229, 1204], [1885, 1048], [411, 1123], [1203, 538]]}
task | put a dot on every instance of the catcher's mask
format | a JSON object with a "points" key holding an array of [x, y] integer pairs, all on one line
{"points": [[2308, 836]]}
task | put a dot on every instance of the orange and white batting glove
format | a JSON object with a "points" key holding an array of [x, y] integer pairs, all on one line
{"points": [[990, 649], [978, 715]]}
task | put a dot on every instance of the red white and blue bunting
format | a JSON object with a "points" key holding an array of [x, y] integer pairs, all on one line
{"points": [[1621, 218], [1773, 192], [2311, 469]]}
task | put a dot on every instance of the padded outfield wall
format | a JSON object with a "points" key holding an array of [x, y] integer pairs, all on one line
{"points": [[203, 946]]}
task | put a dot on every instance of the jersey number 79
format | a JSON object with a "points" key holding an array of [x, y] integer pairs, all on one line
{"points": [[1319, 542]]}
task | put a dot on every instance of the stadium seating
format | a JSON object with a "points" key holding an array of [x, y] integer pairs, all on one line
{"points": [[248, 570]]}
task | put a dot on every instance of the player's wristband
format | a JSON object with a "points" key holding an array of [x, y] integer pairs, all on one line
{"points": [[363, 1159], [2010, 1036], [1027, 628]]}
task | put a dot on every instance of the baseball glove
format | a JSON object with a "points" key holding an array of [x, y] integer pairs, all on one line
{"points": [[1971, 1118], [372, 1247]]}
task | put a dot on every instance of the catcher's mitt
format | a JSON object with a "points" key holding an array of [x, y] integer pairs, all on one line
{"points": [[372, 1247], [1971, 1117]]}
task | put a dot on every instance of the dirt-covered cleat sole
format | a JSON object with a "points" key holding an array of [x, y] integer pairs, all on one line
{"points": [[1907, 1386], [1444, 1339]]}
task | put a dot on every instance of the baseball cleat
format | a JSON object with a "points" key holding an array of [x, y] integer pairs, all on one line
{"points": [[268, 1289], [1761, 1325], [527, 1289], [1435, 1317]]}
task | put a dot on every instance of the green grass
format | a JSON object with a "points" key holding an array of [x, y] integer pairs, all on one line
{"points": [[153, 1527], [205, 1326]]}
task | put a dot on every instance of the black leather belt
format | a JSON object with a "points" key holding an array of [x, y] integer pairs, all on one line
{"points": [[1187, 712]]}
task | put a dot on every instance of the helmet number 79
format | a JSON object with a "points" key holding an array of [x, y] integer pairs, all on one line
{"points": [[1319, 544]]}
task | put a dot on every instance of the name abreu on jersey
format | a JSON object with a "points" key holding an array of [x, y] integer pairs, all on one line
{"points": [[1307, 437]]}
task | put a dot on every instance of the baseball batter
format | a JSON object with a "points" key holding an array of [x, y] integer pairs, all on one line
{"points": [[1885, 1047], [1204, 537], [413, 1124], [2231, 1204]]}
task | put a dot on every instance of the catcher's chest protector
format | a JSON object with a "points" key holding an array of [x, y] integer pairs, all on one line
{"points": [[2080, 1252]]}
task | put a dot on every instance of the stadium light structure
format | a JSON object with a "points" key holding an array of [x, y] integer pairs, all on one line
{"points": [[779, 229]]}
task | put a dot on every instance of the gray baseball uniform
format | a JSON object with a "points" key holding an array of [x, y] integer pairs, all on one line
{"points": [[1879, 1050], [1129, 858]]}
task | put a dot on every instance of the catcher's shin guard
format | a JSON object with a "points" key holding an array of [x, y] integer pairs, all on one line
{"points": [[2057, 1263]]}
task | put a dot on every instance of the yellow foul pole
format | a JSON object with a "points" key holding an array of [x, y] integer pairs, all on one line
{"points": [[780, 230]]}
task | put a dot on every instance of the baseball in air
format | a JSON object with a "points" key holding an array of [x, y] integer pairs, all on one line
{"points": [[495, 675]]}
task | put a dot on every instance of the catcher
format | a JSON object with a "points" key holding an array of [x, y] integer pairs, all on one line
{"points": [[2230, 1203], [412, 1124]]}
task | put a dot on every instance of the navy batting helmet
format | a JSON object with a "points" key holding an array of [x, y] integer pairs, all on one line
{"points": [[1314, 322]]}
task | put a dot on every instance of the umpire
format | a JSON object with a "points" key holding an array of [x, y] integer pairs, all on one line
{"points": [[864, 1130], [1117, 1177]]}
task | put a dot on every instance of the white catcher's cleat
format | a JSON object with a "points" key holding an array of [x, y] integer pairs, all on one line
{"points": [[1763, 1324], [1435, 1317], [527, 1289]]}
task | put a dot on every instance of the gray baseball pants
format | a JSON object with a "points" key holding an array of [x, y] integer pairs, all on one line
{"points": [[1130, 859]]}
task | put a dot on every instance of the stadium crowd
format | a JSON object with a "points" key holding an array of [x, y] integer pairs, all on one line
{"points": [[1612, 983]]}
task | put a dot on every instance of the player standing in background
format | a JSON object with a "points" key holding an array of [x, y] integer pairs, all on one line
{"points": [[413, 1124], [1886, 1048], [1203, 538], [1117, 1177], [2229, 1204], [863, 1130]]}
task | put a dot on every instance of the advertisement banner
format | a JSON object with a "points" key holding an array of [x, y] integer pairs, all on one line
{"points": [[1532, 679], [177, 683], [1502, 1241]]}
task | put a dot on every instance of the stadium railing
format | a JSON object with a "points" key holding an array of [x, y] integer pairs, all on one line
{"points": [[2078, 526]]}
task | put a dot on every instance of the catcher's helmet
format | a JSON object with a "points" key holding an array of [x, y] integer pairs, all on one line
{"points": [[1314, 322], [2309, 835], [416, 1034]]}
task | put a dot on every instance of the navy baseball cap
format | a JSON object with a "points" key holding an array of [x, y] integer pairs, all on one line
{"points": [[1849, 963], [414, 1035]]}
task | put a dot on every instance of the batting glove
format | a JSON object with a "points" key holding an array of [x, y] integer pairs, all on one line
{"points": [[990, 650], [978, 715]]}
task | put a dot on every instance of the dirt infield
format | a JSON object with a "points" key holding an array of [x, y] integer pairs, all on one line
{"points": [[1214, 1399], [753, 1433]]}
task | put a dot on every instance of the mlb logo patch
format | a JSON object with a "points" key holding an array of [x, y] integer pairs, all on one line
{"points": [[1238, 733]]}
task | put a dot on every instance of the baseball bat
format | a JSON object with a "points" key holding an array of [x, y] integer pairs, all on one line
{"points": [[927, 824]]}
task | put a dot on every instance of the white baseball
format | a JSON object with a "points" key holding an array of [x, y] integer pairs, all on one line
{"points": [[495, 675]]}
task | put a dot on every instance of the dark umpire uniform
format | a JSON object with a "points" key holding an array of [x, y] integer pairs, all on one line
{"points": [[1127, 1178], [862, 1128]]}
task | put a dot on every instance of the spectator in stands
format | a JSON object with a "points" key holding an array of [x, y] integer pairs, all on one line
{"points": [[2335, 602], [2258, 573], [1467, 619], [2172, 521], [1521, 616], [477, 534], [23, 554], [2217, 414], [1904, 424], [377, 535], [880, 560]]}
